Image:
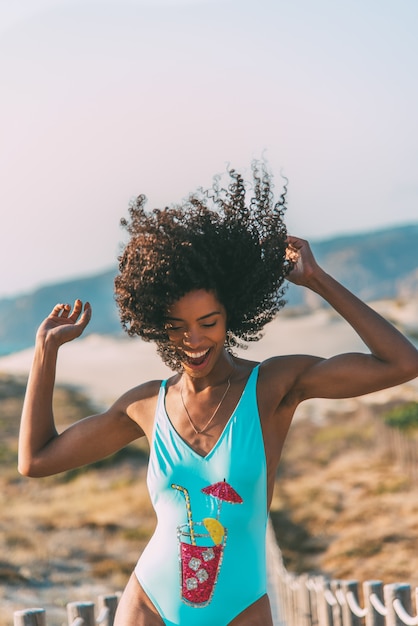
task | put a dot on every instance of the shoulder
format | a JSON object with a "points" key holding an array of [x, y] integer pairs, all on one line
{"points": [[286, 369], [142, 393], [281, 377], [139, 403], [280, 373]]}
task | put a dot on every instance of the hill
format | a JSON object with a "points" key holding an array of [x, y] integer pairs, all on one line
{"points": [[20, 316], [375, 265], [342, 507]]}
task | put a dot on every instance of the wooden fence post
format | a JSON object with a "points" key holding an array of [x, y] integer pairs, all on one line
{"points": [[325, 602], [30, 617], [352, 613], [336, 606], [80, 614], [374, 603], [402, 593], [293, 600], [303, 602], [107, 609], [313, 600], [291, 584]]}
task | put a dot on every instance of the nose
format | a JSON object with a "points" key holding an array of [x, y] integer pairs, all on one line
{"points": [[192, 338]]}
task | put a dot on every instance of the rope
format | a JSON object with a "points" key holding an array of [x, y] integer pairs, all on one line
{"points": [[377, 605], [355, 608], [330, 598], [342, 598], [103, 615], [403, 614], [340, 595]]}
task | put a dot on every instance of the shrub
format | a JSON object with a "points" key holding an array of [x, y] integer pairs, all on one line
{"points": [[404, 417]]}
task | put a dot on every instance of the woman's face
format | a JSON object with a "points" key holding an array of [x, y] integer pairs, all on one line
{"points": [[196, 327]]}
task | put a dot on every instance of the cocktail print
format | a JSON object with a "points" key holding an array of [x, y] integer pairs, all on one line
{"points": [[200, 552]]}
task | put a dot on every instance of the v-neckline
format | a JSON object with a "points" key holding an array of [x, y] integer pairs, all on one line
{"points": [[205, 457]]}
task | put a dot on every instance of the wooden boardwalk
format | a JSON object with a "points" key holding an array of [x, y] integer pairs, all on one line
{"points": [[274, 564], [296, 600]]}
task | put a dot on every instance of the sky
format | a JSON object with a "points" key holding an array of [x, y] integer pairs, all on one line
{"points": [[102, 100]]}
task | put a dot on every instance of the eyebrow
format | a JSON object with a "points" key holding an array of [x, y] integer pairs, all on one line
{"points": [[199, 319]]}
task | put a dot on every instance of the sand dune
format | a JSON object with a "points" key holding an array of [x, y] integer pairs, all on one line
{"points": [[106, 366]]}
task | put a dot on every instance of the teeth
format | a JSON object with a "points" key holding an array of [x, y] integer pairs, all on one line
{"points": [[195, 355]]}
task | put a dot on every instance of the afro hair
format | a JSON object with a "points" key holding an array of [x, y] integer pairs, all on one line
{"points": [[215, 240]]}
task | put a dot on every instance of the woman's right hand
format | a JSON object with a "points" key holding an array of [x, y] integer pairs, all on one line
{"points": [[63, 324]]}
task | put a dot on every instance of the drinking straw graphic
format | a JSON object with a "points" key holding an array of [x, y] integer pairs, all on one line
{"points": [[189, 511]]}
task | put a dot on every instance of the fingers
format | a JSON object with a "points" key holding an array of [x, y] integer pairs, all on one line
{"points": [[63, 311], [296, 242], [292, 254], [86, 316], [298, 245], [77, 308], [294, 245], [60, 310], [304, 265]]}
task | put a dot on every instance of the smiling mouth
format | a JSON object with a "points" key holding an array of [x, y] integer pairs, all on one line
{"points": [[196, 358]]}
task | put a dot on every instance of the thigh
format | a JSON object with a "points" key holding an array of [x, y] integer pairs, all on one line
{"points": [[135, 608], [257, 614]]}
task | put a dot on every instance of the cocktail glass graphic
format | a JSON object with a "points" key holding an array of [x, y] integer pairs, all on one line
{"points": [[201, 548], [200, 563]]}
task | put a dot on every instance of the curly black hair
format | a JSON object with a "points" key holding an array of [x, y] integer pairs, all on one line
{"points": [[215, 241]]}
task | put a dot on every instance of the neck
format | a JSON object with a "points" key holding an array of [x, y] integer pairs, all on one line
{"points": [[199, 429], [219, 375]]}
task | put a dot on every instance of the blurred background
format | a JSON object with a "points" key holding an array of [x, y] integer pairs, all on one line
{"points": [[105, 99]]}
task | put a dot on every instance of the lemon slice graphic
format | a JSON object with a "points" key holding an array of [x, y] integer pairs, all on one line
{"points": [[215, 529]]}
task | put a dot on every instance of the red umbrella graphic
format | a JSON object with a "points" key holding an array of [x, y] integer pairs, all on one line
{"points": [[223, 492]]}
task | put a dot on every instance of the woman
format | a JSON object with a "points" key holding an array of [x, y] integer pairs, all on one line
{"points": [[199, 279]]}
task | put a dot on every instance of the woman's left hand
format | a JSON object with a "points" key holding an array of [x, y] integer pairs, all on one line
{"points": [[305, 266]]}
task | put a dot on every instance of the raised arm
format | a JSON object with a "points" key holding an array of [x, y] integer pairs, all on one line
{"points": [[392, 359], [42, 451]]}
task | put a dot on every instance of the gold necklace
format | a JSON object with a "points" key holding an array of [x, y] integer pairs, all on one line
{"points": [[202, 430]]}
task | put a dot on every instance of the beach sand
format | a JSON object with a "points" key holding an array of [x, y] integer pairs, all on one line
{"points": [[105, 367]]}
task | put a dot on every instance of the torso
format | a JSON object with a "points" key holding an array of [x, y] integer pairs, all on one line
{"points": [[275, 403], [275, 409]]}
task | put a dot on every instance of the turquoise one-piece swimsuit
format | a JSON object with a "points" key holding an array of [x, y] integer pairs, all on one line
{"points": [[206, 561]]}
